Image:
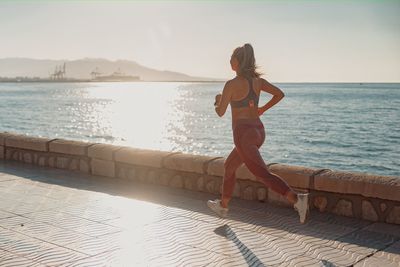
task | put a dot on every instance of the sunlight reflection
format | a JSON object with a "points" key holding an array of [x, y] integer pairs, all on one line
{"points": [[131, 212], [138, 116], [131, 215]]}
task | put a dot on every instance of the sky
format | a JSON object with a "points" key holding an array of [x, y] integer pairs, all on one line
{"points": [[294, 41]]}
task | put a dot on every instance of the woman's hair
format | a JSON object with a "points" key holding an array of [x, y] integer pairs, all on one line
{"points": [[247, 62]]}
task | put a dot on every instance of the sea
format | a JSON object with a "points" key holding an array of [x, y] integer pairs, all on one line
{"points": [[340, 126]]}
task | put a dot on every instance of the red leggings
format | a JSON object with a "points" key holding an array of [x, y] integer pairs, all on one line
{"points": [[248, 136]]}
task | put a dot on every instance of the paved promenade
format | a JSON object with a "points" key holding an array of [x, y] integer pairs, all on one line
{"points": [[50, 217]]}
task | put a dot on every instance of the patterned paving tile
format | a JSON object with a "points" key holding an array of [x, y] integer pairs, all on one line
{"points": [[303, 261], [374, 262], [110, 258], [390, 256], [21, 208], [98, 214], [391, 252], [51, 255], [147, 216], [7, 237], [94, 246], [23, 246], [334, 256], [15, 222], [237, 261], [5, 177], [95, 229], [49, 233], [4, 254], [384, 228], [364, 241], [73, 223], [153, 253], [51, 217], [185, 256], [34, 229], [5, 214], [201, 214], [15, 260], [64, 238], [200, 235], [269, 249]]}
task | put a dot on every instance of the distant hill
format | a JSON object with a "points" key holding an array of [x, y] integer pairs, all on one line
{"points": [[81, 69]]}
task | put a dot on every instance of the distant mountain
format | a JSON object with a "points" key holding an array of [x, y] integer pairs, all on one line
{"points": [[81, 69]]}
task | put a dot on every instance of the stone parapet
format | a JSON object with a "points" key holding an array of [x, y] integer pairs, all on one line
{"points": [[376, 186], [365, 196], [136, 156], [188, 162], [216, 167], [103, 167], [69, 147], [3, 137], [103, 151], [26, 142]]}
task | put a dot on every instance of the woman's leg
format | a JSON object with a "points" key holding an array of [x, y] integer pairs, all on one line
{"points": [[230, 166], [248, 140]]}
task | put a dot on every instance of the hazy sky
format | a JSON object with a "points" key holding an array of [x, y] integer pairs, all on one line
{"points": [[293, 40]]}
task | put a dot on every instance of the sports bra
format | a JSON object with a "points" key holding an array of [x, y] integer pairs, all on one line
{"points": [[249, 101]]}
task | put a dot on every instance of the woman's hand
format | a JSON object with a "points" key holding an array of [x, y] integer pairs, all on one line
{"points": [[261, 111], [217, 99]]}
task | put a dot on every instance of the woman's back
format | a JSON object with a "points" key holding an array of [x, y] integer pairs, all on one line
{"points": [[243, 106]]}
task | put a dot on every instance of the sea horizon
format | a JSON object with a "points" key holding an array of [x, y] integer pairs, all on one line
{"points": [[201, 81]]}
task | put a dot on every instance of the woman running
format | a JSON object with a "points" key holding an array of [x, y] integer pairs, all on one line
{"points": [[243, 93]]}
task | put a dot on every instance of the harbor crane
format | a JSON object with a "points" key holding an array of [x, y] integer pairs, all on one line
{"points": [[59, 72]]}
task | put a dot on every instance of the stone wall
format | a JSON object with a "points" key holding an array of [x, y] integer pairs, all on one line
{"points": [[370, 197]]}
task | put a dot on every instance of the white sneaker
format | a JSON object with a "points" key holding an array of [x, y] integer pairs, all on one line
{"points": [[215, 205], [302, 207]]}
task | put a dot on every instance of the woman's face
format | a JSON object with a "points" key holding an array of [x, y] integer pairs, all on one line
{"points": [[234, 63]]}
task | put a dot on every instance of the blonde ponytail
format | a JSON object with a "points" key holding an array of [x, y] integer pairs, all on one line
{"points": [[247, 61]]}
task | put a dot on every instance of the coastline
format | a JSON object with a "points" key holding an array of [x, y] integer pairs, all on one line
{"points": [[93, 81], [182, 81]]}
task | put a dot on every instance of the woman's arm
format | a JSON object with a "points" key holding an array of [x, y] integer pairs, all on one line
{"points": [[222, 102], [273, 90]]}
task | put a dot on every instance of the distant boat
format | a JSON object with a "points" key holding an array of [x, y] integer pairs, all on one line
{"points": [[117, 76]]}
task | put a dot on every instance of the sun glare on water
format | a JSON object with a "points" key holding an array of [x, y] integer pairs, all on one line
{"points": [[138, 117]]}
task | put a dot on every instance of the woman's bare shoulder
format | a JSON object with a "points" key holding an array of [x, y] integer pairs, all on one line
{"points": [[230, 83], [261, 80], [263, 83]]}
